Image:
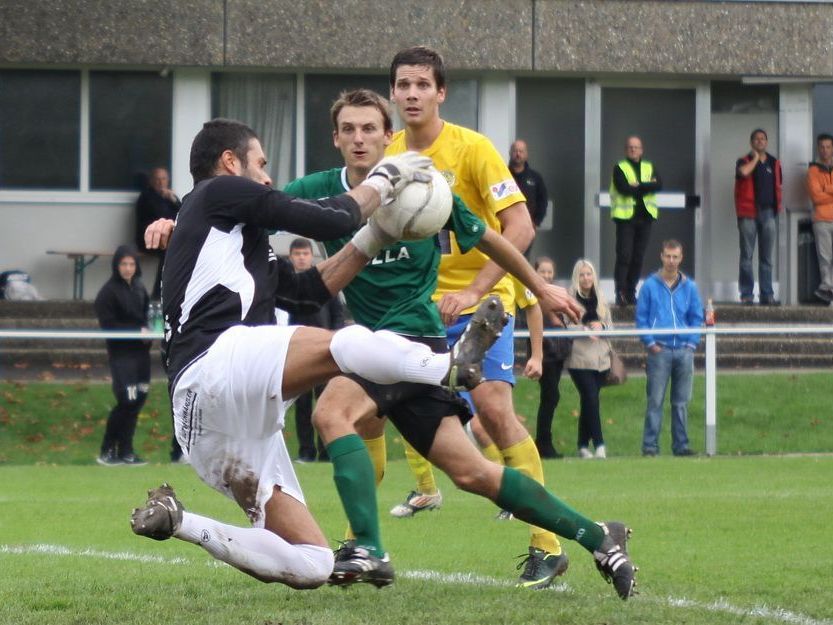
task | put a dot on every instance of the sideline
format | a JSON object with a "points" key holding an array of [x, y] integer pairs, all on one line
{"points": [[721, 606]]}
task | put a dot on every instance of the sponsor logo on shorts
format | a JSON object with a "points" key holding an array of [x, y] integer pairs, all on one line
{"points": [[205, 536], [504, 189], [505, 367], [424, 362]]}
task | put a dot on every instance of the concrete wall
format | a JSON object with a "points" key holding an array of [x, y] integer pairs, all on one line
{"points": [[74, 225], [610, 36]]}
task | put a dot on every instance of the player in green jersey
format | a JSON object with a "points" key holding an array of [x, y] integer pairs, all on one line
{"points": [[394, 293]]}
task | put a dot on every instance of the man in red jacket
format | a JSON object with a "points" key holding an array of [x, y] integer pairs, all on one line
{"points": [[757, 204]]}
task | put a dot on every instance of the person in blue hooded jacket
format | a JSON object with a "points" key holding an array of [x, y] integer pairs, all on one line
{"points": [[669, 299]]}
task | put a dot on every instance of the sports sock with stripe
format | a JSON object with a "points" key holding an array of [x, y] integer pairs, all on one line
{"points": [[530, 502]]}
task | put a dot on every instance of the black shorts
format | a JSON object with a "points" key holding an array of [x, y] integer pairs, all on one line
{"points": [[416, 409]]}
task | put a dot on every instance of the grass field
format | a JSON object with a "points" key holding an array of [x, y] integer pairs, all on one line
{"points": [[720, 540], [730, 539]]}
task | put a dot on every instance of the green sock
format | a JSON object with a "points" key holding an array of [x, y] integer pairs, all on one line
{"points": [[354, 477], [530, 502]]}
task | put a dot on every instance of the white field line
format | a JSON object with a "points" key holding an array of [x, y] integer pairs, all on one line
{"points": [[722, 606]]}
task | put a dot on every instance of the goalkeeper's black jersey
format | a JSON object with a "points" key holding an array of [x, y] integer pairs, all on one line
{"points": [[220, 270]]}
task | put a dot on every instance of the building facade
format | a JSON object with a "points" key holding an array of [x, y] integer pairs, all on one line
{"points": [[94, 94]]}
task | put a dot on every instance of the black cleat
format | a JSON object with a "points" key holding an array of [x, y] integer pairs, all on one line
{"points": [[612, 559], [541, 568], [467, 354], [161, 515], [354, 565]]}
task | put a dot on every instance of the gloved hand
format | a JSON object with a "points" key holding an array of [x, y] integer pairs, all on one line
{"points": [[392, 173], [371, 238]]}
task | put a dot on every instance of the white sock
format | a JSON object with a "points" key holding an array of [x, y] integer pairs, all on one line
{"points": [[385, 357], [259, 552]]}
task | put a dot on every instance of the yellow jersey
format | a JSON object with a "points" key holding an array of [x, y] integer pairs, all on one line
{"points": [[477, 173], [524, 298]]}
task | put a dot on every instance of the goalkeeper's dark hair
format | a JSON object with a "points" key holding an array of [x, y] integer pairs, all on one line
{"points": [[423, 56], [217, 136], [362, 97]]}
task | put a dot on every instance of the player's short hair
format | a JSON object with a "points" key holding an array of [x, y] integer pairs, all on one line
{"points": [[824, 137], [422, 56], [672, 244], [362, 97], [756, 131], [217, 136], [300, 244]]}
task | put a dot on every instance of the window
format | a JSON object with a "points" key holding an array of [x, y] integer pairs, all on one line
{"points": [[40, 113], [266, 102], [130, 127]]}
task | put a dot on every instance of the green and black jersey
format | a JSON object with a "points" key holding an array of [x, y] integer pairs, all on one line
{"points": [[394, 291]]}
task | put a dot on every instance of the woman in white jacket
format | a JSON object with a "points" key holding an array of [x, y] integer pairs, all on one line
{"points": [[589, 360]]}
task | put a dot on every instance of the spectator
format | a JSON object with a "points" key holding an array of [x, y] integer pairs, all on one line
{"points": [[331, 317], [633, 208], [820, 188], [669, 299], [757, 204], [589, 360], [555, 352], [122, 304], [530, 182], [157, 201]]}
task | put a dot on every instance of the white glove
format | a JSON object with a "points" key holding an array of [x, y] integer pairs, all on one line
{"points": [[371, 238], [392, 173]]}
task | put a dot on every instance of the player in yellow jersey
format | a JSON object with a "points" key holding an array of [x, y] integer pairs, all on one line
{"points": [[477, 174]]}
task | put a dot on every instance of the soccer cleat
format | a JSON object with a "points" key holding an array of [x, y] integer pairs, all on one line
{"points": [[601, 452], [354, 565], [161, 515], [612, 559], [417, 502], [541, 568], [345, 548], [504, 515], [584, 453], [483, 330]]}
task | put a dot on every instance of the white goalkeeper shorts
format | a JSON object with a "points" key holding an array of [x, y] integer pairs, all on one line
{"points": [[229, 417]]}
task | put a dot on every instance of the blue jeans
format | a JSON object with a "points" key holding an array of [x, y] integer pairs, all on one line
{"points": [[678, 366], [763, 228]]}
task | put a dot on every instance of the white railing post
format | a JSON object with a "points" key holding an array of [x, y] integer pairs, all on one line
{"points": [[711, 392]]}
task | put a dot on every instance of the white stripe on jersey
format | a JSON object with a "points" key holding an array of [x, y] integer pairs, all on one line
{"points": [[220, 262]]}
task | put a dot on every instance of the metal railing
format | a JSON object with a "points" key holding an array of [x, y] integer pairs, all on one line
{"points": [[709, 332]]}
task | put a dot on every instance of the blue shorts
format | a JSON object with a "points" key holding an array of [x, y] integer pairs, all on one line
{"points": [[500, 359]]}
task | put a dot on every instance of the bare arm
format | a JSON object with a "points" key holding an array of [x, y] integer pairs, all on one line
{"points": [[552, 298], [340, 268], [745, 169], [535, 323]]}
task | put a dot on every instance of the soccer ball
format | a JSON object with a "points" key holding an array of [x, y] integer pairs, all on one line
{"points": [[420, 210]]}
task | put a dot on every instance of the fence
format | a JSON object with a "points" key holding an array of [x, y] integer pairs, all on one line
{"points": [[710, 334]]}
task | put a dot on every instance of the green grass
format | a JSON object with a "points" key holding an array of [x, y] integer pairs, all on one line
{"points": [[757, 413], [716, 539], [719, 540]]}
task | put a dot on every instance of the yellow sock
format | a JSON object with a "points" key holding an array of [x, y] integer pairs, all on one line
{"points": [[378, 451], [524, 457], [422, 471], [492, 453]]}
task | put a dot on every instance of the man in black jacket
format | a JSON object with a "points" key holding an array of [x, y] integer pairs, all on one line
{"points": [[122, 304], [157, 201]]}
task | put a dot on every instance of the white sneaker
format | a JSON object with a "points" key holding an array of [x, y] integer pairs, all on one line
{"points": [[601, 452], [585, 453], [417, 502]]}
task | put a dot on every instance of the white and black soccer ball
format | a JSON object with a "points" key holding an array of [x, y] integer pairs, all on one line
{"points": [[420, 210]]}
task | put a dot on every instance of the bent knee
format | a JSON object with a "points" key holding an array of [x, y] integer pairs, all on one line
{"points": [[312, 568]]}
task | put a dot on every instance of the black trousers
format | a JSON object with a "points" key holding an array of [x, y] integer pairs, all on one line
{"points": [[549, 398], [588, 384], [631, 242], [305, 429], [131, 381]]}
